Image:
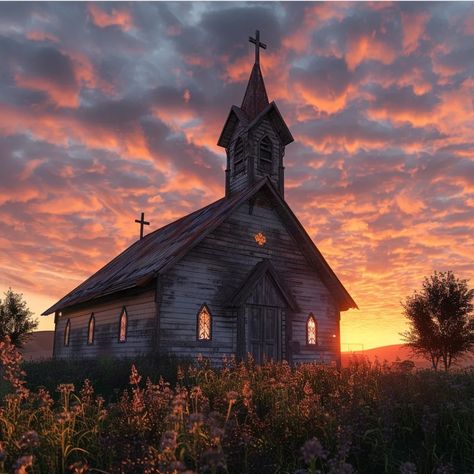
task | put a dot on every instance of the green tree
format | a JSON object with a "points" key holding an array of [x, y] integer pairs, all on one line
{"points": [[15, 318], [441, 324]]}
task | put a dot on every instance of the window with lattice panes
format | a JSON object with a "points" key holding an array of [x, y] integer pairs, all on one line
{"points": [[204, 324], [265, 155], [311, 331], [123, 322]]}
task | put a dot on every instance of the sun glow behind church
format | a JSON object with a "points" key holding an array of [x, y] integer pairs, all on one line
{"points": [[108, 110]]}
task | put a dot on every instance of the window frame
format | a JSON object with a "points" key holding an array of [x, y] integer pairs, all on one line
{"points": [[312, 317], [67, 333], [209, 339], [123, 313], [90, 341], [261, 160], [239, 165]]}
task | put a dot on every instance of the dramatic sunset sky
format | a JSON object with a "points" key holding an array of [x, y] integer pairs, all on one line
{"points": [[110, 109]]}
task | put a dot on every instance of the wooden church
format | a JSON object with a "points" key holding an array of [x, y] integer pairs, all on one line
{"points": [[239, 276]]}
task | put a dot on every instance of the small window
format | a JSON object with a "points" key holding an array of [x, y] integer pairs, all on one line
{"points": [[91, 330], [265, 155], [311, 331], [239, 156], [123, 323], [67, 332], [204, 324]]}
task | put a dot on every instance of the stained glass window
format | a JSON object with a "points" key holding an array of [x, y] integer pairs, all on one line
{"points": [[90, 332], [204, 324], [67, 332], [123, 325], [311, 330]]}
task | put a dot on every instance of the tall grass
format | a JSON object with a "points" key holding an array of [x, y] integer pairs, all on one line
{"points": [[242, 418]]}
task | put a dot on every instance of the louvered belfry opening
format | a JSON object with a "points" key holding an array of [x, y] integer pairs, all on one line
{"points": [[239, 164], [265, 155]]}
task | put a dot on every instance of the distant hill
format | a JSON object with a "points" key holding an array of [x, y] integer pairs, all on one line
{"points": [[400, 351], [39, 346]]}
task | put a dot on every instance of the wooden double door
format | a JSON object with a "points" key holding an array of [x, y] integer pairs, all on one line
{"points": [[264, 332]]}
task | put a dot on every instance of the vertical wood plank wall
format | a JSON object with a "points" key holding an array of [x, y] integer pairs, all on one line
{"points": [[212, 271], [141, 312]]}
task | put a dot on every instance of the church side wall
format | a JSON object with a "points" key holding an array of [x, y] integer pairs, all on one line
{"points": [[141, 312], [211, 273]]}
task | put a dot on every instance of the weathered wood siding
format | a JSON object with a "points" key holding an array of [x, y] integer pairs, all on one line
{"points": [[252, 170], [213, 270], [141, 312]]}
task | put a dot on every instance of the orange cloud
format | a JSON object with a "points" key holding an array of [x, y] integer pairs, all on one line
{"points": [[41, 36], [413, 25], [118, 17], [64, 96], [368, 47]]}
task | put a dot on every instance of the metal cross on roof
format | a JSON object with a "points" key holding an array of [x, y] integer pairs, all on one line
{"points": [[142, 222], [258, 45]]}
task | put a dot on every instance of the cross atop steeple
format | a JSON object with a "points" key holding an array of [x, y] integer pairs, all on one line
{"points": [[258, 45]]}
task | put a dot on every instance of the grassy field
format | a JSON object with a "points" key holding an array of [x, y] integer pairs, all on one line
{"points": [[241, 418]]}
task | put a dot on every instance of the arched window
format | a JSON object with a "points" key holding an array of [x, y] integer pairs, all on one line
{"points": [[239, 156], [204, 324], [265, 155], [311, 331], [123, 323], [67, 332], [91, 330]]}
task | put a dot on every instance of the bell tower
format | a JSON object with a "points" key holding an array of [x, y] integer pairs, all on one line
{"points": [[254, 135]]}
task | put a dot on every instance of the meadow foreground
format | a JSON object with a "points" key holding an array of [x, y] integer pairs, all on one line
{"points": [[241, 418]]}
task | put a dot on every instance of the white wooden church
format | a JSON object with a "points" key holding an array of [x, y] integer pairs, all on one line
{"points": [[239, 276]]}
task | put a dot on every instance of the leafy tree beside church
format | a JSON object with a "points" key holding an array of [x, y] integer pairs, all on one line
{"points": [[441, 320], [16, 318]]}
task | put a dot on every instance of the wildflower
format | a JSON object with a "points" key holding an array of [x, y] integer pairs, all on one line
{"points": [[87, 391], [196, 420], [196, 392], [65, 389], [22, 464], [407, 468], [445, 469], [307, 390], [134, 377], [340, 467], [213, 459], [312, 450], [29, 440], [232, 396], [168, 440], [79, 467], [45, 400]]}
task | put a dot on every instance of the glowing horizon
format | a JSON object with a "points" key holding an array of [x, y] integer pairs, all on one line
{"points": [[111, 109]]}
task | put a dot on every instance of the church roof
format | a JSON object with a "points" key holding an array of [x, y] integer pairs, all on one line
{"points": [[237, 115], [140, 263], [255, 98]]}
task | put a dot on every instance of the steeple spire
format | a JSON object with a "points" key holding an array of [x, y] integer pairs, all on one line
{"points": [[255, 98]]}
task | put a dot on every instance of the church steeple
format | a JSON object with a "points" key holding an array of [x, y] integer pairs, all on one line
{"points": [[255, 98], [254, 135]]}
